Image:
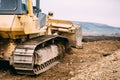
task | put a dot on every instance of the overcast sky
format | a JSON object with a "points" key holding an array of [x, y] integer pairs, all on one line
{"points": [[100, 11]]}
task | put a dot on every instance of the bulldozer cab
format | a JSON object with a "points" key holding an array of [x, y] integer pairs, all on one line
{"points": [[13, 7], [19, 7]]}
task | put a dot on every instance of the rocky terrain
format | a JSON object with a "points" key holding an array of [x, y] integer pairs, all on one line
{"points": [[98, 60]]}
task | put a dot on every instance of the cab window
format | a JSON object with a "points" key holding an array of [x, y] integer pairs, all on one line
{"points": [[8, 5]]}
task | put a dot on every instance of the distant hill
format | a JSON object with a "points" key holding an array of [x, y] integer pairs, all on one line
{"points": [[89, 28]]}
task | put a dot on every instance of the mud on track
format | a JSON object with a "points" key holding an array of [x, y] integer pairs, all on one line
{"points": [[99, 60]]}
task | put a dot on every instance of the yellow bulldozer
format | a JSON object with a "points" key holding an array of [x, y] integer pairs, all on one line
{"points": [[32, 41]]}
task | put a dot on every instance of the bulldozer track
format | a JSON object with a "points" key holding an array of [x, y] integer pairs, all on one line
{"points": [[23, 58], [47, 65]]}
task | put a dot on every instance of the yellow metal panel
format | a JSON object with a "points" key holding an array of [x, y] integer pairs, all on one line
{"points": [[32, 25], [6, 22], [17, 26]]}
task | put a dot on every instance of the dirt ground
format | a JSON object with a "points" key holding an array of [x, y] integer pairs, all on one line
{"points": [[98, 60]]}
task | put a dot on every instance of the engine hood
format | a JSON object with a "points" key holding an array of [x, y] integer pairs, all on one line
{"points": [[6, 22]]}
